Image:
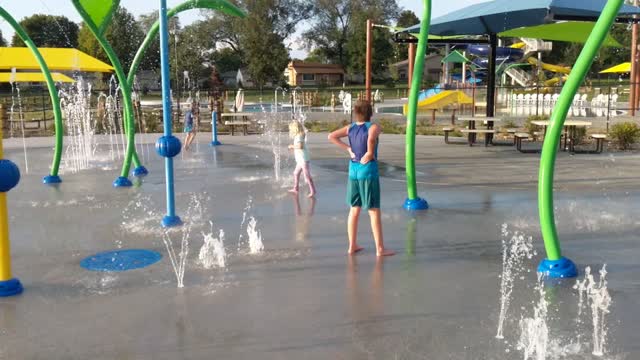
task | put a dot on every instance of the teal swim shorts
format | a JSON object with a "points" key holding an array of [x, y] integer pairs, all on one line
{"points": [[363, 188]]}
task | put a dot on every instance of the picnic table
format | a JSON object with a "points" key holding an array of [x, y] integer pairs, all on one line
{"points": [[570, 132], [472, 131], [237, 119]]}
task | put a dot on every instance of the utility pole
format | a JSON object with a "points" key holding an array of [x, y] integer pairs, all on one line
{"points": [[368, 67], [412, 61], [633, 79]]}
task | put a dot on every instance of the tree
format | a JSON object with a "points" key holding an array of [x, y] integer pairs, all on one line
{"points": [[406, 19], [226, 59], [266, 55], [124, 34], [338, 31], [259, 38], [193, 52], [48, 31], [316, 56], [151, 59], [3, 42]]}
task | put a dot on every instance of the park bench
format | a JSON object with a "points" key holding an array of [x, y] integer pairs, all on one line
{"points": [[600, 139], [447, 131], [518, 138], [243, 120], [479, 131], [234, 123]]}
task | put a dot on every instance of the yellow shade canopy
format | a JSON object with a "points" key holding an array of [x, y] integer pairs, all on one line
{"points": [[5, 77], [58, 59], [618, 69]]}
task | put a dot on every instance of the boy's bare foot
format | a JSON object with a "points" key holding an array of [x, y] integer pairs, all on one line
{"points": [[355, 250], [385, 252], [293, 191], [311, 195]]}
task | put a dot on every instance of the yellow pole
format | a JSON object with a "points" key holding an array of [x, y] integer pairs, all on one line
{"points": [[9, 177], [5, 256]]}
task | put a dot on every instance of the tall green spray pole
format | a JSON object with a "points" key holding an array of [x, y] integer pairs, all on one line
{"points": [[413, 202], [556, 266], [53, 177]]}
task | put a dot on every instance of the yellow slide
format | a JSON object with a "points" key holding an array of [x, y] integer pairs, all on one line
{"points": [[549, 67], [555, 80], [441, 100]]}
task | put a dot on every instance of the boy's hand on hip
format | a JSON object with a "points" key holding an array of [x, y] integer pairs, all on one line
{"points": [[351, 154], [366, 158]]}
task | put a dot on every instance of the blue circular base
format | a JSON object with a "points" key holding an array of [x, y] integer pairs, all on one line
{"points": [[51, 179], [10, 287], [120, 260], [171, 221], [557, 269], [215, 143], [140, 171], [122, 182], [416, 204]]}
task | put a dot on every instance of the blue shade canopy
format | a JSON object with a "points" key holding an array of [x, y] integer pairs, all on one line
{"points": [[496, 16]]}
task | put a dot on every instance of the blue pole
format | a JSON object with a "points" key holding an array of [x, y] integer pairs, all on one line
{"points": [[168, 145], [214, 128]]}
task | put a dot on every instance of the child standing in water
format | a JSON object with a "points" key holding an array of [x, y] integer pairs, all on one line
{"points": [[363, 189], [189, 128], [301, 154]]}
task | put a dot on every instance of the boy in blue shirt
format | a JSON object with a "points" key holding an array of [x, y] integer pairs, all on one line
{"points": [[363, 189]]}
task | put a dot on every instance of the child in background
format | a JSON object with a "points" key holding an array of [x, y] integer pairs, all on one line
{"points": [[189, 124], [301, 153], [363, 189]]}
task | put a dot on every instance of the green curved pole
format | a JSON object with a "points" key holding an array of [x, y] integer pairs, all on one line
{"points": [[53, 93], [413, 202], [552, 139], [123, 180]]}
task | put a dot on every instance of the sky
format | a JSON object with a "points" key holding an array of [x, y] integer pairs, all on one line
{"points": [[23, 8]]}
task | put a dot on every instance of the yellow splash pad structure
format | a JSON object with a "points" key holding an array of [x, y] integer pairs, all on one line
{"points": [[5, 77], [57, 59], [442, 100]]}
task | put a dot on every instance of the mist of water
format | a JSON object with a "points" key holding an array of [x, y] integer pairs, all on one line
{"points": [[212, 253], [515, 249], [534, 331], [16, 101], [75, 103], [255, 237], [598, 300]]}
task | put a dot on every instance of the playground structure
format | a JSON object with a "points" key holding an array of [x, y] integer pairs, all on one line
{"points": [[168, 146]]}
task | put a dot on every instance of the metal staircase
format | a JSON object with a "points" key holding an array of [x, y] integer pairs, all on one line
{"points": [[519, 76]]}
